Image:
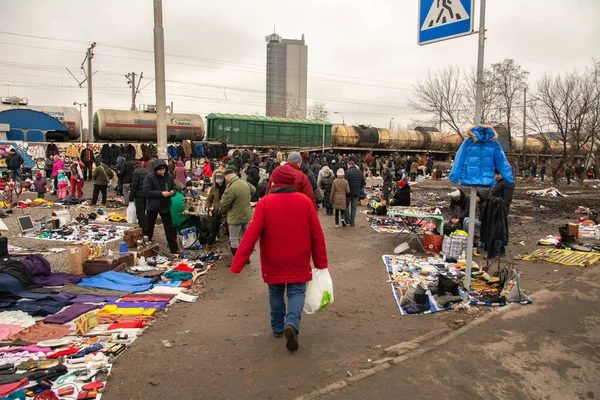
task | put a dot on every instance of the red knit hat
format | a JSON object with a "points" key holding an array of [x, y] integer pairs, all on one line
{"points": [[401, 184], [284, 175], [39, 173]]}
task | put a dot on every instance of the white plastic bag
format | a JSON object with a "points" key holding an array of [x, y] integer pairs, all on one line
{"points": [[187, 237], [131, 213], [319, 291]]}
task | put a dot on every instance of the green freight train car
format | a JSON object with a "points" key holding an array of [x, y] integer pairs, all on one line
{"points": [[257, 131]]}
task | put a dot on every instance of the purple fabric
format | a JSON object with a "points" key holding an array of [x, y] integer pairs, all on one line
{"points": [[37, 265], [31, 349], [142, 304], [88, 298], [70, 313], [56, 279]]}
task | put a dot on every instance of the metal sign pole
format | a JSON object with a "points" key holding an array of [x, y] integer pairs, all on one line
{"points": [[478, 106]]}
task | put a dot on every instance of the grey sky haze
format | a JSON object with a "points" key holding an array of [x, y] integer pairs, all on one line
{"points": [[363, 57]]}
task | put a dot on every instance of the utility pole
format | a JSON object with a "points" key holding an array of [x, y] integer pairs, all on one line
{"points": [[135, 88], [80, 119], [524, 152], [89, 56], [159, 74], [478, 107]]}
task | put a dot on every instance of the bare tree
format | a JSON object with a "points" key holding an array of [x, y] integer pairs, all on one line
{"points": [[318, 111], [489, 110], [292, 107], [591, 123], [562, 103], [441, 94], [509, 82]]}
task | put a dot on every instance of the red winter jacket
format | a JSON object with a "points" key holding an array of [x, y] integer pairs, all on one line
{"points": [[289, 231], [302, 183]]}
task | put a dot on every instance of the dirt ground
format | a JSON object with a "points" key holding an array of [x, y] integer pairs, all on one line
{"points": [[222, 344]]}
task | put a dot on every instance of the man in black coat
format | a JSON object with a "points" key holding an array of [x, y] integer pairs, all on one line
{"points": [[87, 158], [159, 187], [14, 162], [238, 164], [127, 176], [356, 180], [253, 177], [137, 195], [503, 190]]}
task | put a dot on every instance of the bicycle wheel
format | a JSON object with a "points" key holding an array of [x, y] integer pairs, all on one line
{"points": [[18, 186]]}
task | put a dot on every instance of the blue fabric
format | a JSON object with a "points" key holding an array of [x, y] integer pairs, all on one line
{"points": [[296, 293], [475, 161], [169, 284], [117, 281], [199, 150], [172, 151], [466, 224]]}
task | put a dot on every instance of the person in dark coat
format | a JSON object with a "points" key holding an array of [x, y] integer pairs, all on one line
{"points": [[14, 162], [388, 183], [459, 208], [303, 184], [159, 187], [101, 176], [326, 185], [310, 175], [316, 168], [253, 177], [40, 185], [356, 180], [127, 177], [503, 190], [402, 195], [238, 163], [87, 158], [137, 195]]}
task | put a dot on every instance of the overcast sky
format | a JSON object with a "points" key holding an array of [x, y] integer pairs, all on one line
{"points": [[362, 55]]}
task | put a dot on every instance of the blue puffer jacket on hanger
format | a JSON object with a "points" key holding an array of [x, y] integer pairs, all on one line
{"points": [[477, 158], [172, 151]]}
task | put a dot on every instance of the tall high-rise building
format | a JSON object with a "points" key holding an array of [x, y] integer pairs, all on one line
{"points": [[287, 61]]}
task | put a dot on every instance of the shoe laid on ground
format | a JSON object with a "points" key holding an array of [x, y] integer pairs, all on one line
{"points": [[291, 337], [337, 225], [278, 334], [344, 223], [475, 253]]}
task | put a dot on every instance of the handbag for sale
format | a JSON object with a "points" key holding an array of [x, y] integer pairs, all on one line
{"points": [[432, 243], [82, 219]]}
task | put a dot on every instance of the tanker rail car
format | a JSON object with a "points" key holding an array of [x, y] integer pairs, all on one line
{"points": [[140, 126]]}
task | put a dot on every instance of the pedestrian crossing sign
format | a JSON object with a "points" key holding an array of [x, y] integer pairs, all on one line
{"points": [[444, 19]]}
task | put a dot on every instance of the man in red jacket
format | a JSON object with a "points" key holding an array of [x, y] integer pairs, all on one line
{"points": [[302, 184], [279, 217]]}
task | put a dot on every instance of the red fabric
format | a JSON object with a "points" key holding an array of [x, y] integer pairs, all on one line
{"points": [[184, 268], [289, 230], [7, 389], [148, 297], [127, 325], [304, 157], [302, 184], [186, 283], [66, 352], [369, 159], [207, 170]]}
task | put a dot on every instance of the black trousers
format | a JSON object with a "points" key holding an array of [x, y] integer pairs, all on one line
{"points": [[215, 226], [87, 171], [337, 215], [140, 210], [167, 221], [97, 190]]}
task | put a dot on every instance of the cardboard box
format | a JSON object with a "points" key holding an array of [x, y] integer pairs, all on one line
{"points": [[77, 253], [574, 230]]}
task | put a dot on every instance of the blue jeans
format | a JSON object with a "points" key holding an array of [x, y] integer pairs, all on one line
{"points": [[296, 293], [466, 224], [16, 172], [351, 204]]}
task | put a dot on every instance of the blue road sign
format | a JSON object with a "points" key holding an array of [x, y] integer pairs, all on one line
{"points": [[444, 19]]}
